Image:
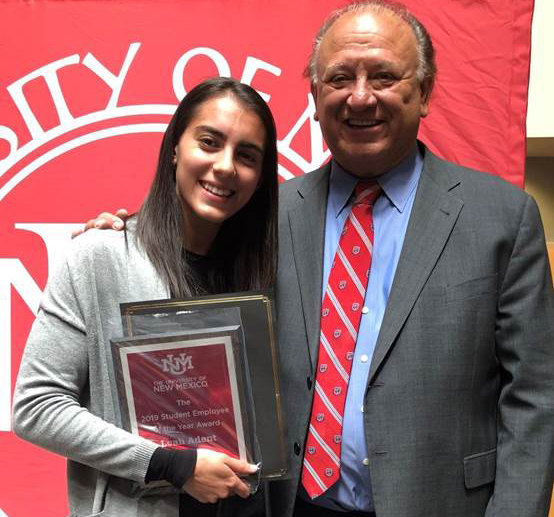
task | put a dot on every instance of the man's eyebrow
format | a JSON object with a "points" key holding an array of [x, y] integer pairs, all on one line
{"points": [[376, 63], [215, 132], [336, 66]]}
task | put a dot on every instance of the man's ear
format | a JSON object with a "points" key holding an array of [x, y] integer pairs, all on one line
{"points": [[313, 89], [426, 89]]}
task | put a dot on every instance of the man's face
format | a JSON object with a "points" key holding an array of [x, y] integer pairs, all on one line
{"points": [[368, 99]]}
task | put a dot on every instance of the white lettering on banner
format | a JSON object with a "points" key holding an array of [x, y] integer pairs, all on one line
{"points": [[13, 273], [220, 62], [115, 82], [79, 141], [318, 155], [9, 136], [48, 72], [2, 514], [252, 65], [68, 123], [55, 236]]}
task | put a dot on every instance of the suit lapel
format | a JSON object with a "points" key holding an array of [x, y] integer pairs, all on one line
{"points": [[307, 226], [433, 217]]}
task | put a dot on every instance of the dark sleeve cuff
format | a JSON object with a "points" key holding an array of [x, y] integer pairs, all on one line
{"points": [[172, 465]]}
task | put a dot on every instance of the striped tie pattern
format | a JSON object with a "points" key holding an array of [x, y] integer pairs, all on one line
{"points": [[340, 319]]}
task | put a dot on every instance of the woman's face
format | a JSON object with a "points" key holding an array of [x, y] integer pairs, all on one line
{"points": [[218, 166]]}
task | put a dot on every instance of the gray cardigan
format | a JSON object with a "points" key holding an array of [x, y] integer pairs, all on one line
{"points": [[63, 400]]}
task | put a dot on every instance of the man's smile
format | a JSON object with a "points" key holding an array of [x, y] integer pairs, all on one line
{"points": [[362, 123]]}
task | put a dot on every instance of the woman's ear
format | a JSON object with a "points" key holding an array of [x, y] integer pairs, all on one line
{"points": [[174, 159]]}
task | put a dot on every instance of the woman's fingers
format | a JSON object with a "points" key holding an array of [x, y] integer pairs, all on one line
{"points": [[216, 476]]}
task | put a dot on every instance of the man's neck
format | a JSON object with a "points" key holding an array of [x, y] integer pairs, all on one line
{"points": [[374, 169]]}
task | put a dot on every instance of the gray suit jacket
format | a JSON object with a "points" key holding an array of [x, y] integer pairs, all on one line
{"points": [[459, 404]]}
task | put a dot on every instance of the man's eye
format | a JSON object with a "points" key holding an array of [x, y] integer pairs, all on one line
{"points": [[338, 80], [383, 79]]}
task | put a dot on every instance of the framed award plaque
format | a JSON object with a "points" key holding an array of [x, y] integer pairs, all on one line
{"points": [[253, 315], [185, 390]]}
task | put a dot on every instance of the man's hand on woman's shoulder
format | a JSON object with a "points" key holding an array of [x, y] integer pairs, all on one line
{"points": [[105, 221]]}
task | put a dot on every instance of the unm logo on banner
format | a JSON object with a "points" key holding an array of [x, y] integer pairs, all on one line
{"points": [[23, 159]]}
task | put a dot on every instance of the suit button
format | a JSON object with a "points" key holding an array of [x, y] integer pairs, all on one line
{"points": [[297, 448], [309, 382]]}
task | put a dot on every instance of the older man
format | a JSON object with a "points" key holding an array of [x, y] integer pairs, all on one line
{"points": [[449, 404], [417, 356]]}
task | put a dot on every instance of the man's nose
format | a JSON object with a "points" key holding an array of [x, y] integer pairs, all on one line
{"points": [[224, 164], [362, 95]]}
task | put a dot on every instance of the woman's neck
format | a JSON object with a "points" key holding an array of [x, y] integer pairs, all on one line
{"points": [[199, 235]]}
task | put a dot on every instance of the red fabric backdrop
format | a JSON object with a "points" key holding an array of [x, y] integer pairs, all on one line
{"points": [[86, 88]]}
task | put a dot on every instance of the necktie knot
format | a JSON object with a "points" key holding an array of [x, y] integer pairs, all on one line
{"points": [[366, 192]]}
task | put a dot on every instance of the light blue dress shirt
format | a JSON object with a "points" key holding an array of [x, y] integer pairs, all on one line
{"points": [[391, 213]]}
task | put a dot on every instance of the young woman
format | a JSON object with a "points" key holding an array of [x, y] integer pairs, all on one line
{"points": [[208, 225]]}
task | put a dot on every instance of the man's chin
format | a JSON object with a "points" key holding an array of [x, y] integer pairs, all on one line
{"points": [[364, 161]]}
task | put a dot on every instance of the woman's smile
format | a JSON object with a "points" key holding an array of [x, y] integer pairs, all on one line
{"points": [[217, 191]]}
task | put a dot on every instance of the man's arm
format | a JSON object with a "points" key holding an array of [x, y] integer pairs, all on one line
{"points": [[525, 339]]}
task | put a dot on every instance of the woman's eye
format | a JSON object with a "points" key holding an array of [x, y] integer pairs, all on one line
{"points": [[248, 158], [208, 142]]}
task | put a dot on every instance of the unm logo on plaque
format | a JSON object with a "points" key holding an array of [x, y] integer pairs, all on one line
{"points": [[177, 365]]}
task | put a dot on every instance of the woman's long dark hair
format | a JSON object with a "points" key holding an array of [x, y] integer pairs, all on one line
{"points": [[247, 241]]}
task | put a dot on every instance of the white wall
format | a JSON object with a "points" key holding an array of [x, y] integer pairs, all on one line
{"points": [[540, 113]]}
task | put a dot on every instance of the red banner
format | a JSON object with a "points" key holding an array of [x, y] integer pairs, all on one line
{"points": [[87, 87]]}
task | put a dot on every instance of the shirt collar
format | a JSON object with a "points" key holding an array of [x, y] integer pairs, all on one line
{"points": [[397, 183]]}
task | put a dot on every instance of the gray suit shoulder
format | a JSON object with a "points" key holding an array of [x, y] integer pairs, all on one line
{"points": [[475, 180], [290, 190], [480, 191]]}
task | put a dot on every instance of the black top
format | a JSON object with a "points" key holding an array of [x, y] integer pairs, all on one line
{"points": [[172, 465], [176, 465]]}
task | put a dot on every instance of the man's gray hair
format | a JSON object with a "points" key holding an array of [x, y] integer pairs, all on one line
{"points": [[427, 68]]}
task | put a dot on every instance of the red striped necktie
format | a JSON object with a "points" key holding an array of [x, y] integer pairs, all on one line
{"points": [[341, 311]]}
